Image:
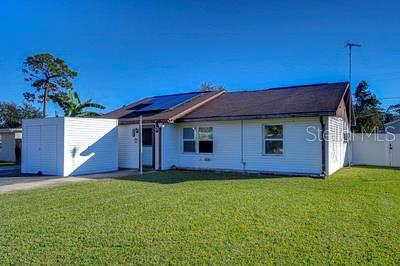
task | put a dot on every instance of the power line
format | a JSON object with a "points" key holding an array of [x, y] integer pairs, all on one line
{"points": [[390, 98]]}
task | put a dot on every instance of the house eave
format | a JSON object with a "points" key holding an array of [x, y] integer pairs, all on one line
{"points": [[10, 130], [259, 116]]}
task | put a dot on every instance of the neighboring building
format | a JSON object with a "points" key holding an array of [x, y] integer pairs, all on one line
{"points": [[272, 131], [262, 130], [393, 127], [10, 144]]}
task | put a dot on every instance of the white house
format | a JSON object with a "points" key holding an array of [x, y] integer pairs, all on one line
{"points": [[272, 130], [275, 130], [10, 142]]}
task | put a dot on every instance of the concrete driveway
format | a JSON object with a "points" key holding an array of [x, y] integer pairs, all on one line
{"points": [[9, 170], [11, 179]]}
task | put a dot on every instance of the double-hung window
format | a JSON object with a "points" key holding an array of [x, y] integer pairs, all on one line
{"points": [[273, 139], [205, 140], [198, 139], [189, 139]]}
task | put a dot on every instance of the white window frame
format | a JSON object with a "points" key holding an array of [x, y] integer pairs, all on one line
{"points": [[196, 139], [1, 142], [265, 139]]}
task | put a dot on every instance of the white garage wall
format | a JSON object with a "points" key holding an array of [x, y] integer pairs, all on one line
{"points": [[90, 145], [42, 146], [69, 146], [300, 155]]}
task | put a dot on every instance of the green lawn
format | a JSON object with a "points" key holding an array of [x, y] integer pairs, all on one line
{"points": [[6, 163], [207, 218]]}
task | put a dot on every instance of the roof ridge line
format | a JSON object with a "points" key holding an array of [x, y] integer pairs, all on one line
{"points": [[183, 93], [290, 87]]}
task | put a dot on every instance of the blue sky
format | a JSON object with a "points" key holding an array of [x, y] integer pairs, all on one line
{"points": [[125, 50]]}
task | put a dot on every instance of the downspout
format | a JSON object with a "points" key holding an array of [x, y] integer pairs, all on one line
{"points": [[141, 145], [241, 146], [159, 147], [323, 156]]}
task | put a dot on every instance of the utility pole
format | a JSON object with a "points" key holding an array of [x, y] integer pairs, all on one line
{"points": [[350, 46]]}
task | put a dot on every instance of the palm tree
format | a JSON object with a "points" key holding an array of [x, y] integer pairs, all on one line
{"points": [[73, 107]]}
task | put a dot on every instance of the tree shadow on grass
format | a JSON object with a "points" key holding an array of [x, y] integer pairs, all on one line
{"points": [[179, 176]]}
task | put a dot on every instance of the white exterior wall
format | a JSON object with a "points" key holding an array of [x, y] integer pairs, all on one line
{"points": [[300, 155], [128, 146], [90, 145], [69, 146], [226, 150], [170, 146], [43, 146], [128, 155], [7, 150], [336, 146]]}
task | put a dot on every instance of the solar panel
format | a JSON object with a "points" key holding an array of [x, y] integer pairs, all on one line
{"points": [[167, 102]]}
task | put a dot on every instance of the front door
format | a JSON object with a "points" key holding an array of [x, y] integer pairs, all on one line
{"points": [[148, 146]]}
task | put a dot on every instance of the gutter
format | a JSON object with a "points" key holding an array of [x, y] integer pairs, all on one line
{"points": [[323, 155], [260, 116], [10, 130]]}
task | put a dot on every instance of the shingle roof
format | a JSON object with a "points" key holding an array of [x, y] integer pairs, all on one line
{"points": [[127, 114], [305, 100]]}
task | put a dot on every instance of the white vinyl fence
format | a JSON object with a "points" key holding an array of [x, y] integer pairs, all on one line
{"points": [[376, 149]]}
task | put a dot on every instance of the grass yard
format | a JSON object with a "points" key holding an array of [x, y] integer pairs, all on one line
{"points": [[207, 218], [6, 163]]}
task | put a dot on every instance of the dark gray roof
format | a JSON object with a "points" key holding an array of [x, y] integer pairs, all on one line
{"points": [[304, 100], [129, 114], [393, 127]]}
